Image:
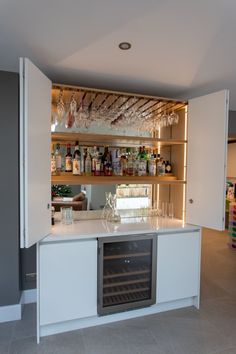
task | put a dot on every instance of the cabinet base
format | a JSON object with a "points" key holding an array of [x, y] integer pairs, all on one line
{"points": [[72, 325]]}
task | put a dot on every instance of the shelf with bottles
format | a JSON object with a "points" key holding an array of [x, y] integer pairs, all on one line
{"points": [[112, 165], [113, 140]]}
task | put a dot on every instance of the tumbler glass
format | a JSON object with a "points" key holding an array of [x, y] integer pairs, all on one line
{"points": [[171, 210], [66, 215], [164, 209]]}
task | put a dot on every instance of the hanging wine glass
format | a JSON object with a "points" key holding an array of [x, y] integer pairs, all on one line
{"points": [[164, 119], [60, 109], [70, 117], [82, 116], [174, 117]]}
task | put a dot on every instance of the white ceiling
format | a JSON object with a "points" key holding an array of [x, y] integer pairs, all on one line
{"points": [[180, 48]]}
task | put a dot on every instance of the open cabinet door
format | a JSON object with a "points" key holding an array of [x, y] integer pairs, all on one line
{"points": [[35, 187], [206, 160]]}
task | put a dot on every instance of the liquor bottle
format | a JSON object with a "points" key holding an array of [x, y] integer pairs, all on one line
{"points": [[76, 160], [130, 164], [107, 162], [88, 163], [116, 162], [142, 162], [68, 159], [168, 167], [82, 159], [152, 166], [53, 162], [94, 157], [99, 165], [136, 161], [123, 163], [160, 166], [58, 158]]}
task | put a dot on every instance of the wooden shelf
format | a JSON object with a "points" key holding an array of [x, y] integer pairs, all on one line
{"points": [[128, 255], [126, 273], [125, 282], [113, 140], [68, 178], [126, 291]]}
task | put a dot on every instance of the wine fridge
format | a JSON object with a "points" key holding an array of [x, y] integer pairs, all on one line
{"points": [[126, 272]]}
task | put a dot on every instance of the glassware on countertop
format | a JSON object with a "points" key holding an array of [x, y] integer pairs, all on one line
{"points": [[171, 210], [110, 212], [114, 215], [67, 215], [107, 207]]}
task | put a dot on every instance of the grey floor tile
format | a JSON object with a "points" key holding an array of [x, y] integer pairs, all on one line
{"points": [[65, 343], [4, 347], [6, 330], [227, 351], [27, 326], [29, 346], [222, 314]]}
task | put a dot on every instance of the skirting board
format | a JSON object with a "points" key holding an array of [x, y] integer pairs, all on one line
{"points": [[50, 329], [28, 296], [10, 313], [13, 312]]}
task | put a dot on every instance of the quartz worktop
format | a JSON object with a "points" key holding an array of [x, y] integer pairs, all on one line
{"points": [[88, 229]]}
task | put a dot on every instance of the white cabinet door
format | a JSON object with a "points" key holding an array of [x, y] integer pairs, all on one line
{"points": [[35, 138], [206, 160], [178, 266], [67, 281]]}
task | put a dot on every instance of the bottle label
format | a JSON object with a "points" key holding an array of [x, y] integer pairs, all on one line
{"points": [[76, 167], [88, 166], [142, 170], [160, 169], [53, 166], [97, 170], [58, 162], [168, 168], [152, 169], [68, 164]]}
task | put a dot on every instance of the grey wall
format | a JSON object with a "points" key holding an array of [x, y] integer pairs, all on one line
{"points": [[9, 191], [28, 268]]}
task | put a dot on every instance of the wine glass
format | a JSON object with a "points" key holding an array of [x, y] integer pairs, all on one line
{"points": [[174, 118], [60, 107], [164, 119], [70, 117]]}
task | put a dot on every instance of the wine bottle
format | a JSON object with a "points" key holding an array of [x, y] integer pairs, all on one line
{"points": [[168, 167], [68, 159], [76, 160], [53, 162], [107, 162], [88, 164], [58, 158]]}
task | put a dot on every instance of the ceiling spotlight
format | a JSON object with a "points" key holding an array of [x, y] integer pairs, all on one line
{"points": [[124, 45]]}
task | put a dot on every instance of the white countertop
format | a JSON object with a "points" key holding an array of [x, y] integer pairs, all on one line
{"points": [[87, 229]]}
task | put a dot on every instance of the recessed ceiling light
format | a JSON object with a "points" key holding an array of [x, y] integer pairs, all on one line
{"points": [[124, 45]]}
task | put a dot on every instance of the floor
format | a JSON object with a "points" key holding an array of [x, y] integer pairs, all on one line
{"points": [[211, 330]]}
